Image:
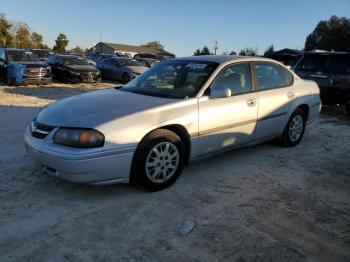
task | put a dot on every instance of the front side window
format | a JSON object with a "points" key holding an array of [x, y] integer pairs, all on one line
{"points": [[172, 79], [129, 62], [148, 56], [236, 77], [269, 75]]}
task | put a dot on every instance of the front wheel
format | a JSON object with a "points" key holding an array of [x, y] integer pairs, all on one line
{"points": [[294, 130], [158, 160]]}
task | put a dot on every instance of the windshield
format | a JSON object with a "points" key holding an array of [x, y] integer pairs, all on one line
{"points": [[74, 61], [173, 79], [129, 62], [41, 53], [20, 56], [334, 63]]}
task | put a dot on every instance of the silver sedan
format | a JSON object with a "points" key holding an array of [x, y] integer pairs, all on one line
{"points": [[180, 110]]}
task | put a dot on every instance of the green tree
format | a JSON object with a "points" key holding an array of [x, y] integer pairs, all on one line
{"points": [[78, 50], [37, 41], [332, 34], [270, 50], [5, 36], [248, 52], [154, 45], [23, 36], [61, 43], [205, 51]]}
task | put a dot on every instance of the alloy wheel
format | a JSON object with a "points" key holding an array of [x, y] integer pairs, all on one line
{"points": [[296, 128], [162, 162]]}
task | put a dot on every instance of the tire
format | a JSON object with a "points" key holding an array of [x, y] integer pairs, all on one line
{"points": [[126, 78], [347, 109], [296, 122], [156, 171]]}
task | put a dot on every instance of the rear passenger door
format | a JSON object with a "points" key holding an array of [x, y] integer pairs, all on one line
{"points": [[275, 95]]}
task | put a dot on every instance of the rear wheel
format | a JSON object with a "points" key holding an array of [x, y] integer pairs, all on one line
{"points": [[294, 130], [158, 160]]}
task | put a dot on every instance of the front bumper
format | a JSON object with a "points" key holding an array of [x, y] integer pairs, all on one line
{"points": [[85, 78], [103, 167]]}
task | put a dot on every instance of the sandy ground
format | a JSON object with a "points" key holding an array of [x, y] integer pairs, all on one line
{"points": [[264, 203]]}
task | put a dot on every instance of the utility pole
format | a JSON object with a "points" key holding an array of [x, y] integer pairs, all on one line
{"points": [[216, 46]]}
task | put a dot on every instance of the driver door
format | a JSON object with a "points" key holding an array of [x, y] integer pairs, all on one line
{"points": [[228, 122]]}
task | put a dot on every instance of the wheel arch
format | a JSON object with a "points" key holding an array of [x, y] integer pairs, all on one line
{"points": [[306, 109], [179, 130]]}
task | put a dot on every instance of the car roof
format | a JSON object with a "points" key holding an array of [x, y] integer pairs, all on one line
{"points": [[67, 56], [16, 49], [224, 58], [327, 53]]}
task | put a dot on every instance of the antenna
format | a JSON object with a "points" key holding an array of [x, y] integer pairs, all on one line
{"points": [[101, 35], [216, 46]]}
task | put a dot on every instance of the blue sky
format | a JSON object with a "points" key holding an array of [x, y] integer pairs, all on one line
{"points": [[181, 26]]}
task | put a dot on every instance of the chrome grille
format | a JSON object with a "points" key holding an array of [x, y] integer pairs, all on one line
{"points": [[35, 71]]}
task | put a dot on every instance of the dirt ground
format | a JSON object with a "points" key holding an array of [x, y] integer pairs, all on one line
{"points": [[263, 203]]}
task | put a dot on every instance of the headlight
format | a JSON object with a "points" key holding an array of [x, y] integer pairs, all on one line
{"points": [[74, 73], [78, 137]]}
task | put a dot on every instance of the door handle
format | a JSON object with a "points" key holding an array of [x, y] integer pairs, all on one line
{"points": [[290, 94], [251, 101]]}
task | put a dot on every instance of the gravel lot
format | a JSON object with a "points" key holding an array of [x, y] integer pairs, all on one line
{"points": [[264, 203]]}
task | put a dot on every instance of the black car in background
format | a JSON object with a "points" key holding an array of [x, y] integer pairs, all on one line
{"points": [[42, 54], [73, 69], [20, 66], [331, 71], [150, 60]]}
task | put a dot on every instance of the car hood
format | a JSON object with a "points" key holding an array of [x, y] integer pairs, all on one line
{"points": [[96, 108], [82, 68], [137, 69]]}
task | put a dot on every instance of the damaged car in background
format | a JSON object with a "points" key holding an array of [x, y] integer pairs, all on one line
{"points": [[73, 69], [19, 66], [121, 69]]}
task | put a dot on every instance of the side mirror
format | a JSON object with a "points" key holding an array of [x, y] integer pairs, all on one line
{"points": [[220, 92]]}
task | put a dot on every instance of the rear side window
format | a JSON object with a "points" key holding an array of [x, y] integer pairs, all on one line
{"points": [[339, 64], [313, 63], [331, 63], [269, 75]]}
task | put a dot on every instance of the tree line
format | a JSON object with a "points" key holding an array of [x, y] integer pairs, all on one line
{"points": [[328, 35]]}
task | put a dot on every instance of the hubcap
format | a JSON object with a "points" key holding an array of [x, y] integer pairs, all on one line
{"points": [[162, 162], [295, 128]]}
